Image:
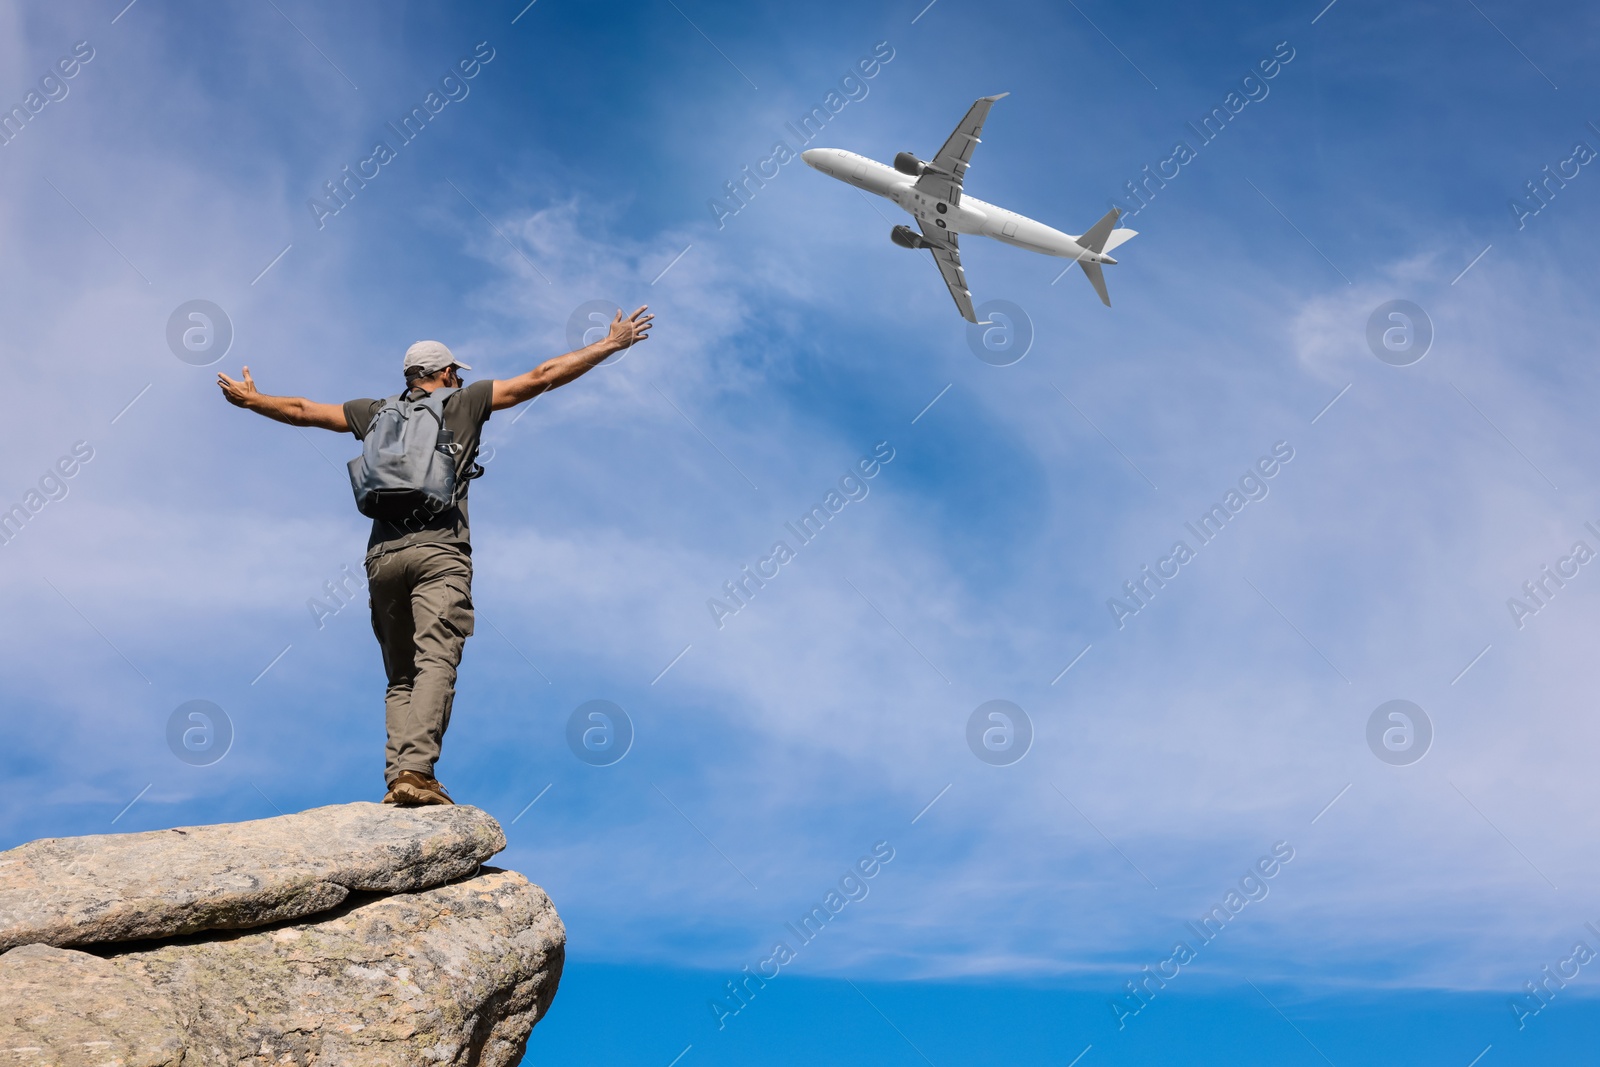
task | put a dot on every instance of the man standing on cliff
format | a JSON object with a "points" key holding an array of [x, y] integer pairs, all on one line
{"points": [[419, 572]]}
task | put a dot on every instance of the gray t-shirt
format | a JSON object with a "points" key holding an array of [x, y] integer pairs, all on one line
{"points": [[465, 412]]}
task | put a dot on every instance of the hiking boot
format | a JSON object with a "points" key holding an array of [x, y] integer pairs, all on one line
{"points": [[412, 788]]}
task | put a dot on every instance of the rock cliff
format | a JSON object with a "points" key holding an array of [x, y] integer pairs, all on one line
{"points": [[359, 934]]}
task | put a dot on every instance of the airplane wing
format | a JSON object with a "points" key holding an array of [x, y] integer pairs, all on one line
{"points": [[942, 180], [947, 254]]}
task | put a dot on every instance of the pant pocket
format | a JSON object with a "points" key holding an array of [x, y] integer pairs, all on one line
{"points": [[456, 610]]}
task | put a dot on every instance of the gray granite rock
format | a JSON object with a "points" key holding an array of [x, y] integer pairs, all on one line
{"points": [[166, 883], [454, 975], [458, 974], [60, 1008]]}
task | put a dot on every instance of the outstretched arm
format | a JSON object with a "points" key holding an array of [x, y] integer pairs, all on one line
{"points": [[295, 410], [562, 369]]}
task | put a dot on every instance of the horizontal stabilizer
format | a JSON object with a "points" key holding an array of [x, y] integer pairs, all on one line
{"points": [[1097, 278]]}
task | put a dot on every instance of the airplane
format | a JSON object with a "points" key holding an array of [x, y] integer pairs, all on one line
{"points": [[931, 190]]}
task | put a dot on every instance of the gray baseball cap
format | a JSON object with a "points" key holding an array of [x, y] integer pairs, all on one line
{"points": [[429, 357]]}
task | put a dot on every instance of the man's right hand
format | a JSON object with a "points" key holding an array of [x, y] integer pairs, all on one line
{"points": [[553, 373], [627, 332]]}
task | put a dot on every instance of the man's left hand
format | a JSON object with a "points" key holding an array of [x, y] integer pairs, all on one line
{"points": [[239, 394]]}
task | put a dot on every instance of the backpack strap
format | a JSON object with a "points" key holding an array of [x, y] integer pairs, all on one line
{"points": [[432, 403], [413, 395]]}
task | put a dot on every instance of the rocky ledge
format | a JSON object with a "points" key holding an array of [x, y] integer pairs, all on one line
{"points": [[359, 934]]}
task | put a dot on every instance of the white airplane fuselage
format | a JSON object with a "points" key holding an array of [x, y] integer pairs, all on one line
{"points": [[971, 216]]}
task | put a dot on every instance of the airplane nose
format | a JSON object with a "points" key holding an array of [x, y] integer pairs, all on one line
{"points": [[812, 156]]}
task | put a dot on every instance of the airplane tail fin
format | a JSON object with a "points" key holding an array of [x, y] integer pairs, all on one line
{"points": [[1095, 239], [1101, 238], [1097, 278], [1119, 237]]}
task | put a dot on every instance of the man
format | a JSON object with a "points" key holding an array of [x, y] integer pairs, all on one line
{"points": [[419, 571]]}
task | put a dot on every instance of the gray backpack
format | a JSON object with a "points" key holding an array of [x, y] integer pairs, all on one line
{"points": [[407, 466]]}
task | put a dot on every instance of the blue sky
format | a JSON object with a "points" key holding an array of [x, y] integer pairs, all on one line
{"points": [[1230, 714]]}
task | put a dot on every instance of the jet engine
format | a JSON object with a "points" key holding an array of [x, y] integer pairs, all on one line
{"points": [[906, 237], [906, 163]]}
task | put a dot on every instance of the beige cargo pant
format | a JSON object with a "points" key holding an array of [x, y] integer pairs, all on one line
{"points": [[421, 597]]}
